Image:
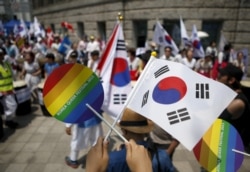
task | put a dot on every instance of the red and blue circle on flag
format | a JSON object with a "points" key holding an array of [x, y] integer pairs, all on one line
{"points": [[120, 73], [169, 90]]}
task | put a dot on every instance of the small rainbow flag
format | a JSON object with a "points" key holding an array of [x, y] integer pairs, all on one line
{"points": [[68, 89], [214, 151]]}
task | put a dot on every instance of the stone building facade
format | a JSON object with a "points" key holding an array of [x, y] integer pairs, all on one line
{"points": [[97, 17], [15, 9]]}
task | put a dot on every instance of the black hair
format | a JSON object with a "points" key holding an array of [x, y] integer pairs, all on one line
{"points": [[95, 53], [168, 47], [132, 51], [232, 72], [227, 47], [50, 56]]}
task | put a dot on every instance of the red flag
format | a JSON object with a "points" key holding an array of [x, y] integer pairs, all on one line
{"points": [[67, 26]]}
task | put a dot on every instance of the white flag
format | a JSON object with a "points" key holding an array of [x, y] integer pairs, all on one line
{"points": [[38, 30], [179, 100], [114, 72], [32, 29], [222, 42], [198, 49], [186, 42], [23, 31], [162, 38]]}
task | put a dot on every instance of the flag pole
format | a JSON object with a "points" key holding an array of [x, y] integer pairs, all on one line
{"points": [[240, 152], [119, 20], [106, 122], [130, 96]]}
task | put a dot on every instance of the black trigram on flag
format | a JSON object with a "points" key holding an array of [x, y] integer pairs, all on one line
{"points": [[202, 91], [178, 116], [119, 98], [145, 98], [120, 45], [161, 71]]}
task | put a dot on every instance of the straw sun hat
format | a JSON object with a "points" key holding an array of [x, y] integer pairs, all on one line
{"points": [[135, 123]]}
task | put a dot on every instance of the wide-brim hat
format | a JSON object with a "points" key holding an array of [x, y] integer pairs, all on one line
{"points": [[135, 122]]}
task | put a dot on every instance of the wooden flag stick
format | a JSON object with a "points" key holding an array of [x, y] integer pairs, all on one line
{"points": [[106, 122], [240, 152]]}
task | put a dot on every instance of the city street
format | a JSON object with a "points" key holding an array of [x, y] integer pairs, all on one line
{"points": [[40, 145]]}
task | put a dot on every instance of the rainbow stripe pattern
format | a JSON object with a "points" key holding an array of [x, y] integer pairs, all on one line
{"points": [[68, 89], [214, 151]]}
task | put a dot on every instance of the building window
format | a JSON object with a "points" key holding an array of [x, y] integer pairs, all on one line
{"points": [[140, 32], [102, 30], [80, 29], [52, 26], [213, 29], [173, 29], [40, 3]]}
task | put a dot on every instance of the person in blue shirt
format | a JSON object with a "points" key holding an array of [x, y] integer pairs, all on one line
{"points": [[136, 127], [50, 65]]}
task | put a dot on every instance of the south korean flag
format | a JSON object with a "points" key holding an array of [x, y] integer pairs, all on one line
{"points": [[182, 102]]}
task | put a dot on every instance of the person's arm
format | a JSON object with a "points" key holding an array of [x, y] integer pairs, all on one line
{"points": [[97, 157], [173, 145], [236, 108], [138, 158], [23, 72], [38, 71]]}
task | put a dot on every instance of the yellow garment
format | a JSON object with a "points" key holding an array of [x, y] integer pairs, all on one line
{"points": [[6, 81]]}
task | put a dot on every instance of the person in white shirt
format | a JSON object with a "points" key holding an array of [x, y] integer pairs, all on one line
{"points": [[168, 54], [56, 43], [239, 61], [71, 50], [82, 52], [92, 45], [212, 50], [189, 60], [180, 56], [93, 62], [84, 134], [40, 46], [204, 65]]}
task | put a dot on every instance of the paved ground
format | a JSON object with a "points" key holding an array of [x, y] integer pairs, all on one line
{"points": [[40, 145]]}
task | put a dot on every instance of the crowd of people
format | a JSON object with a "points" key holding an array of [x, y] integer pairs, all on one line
{"points": [[207, 66], [34, 61]]}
